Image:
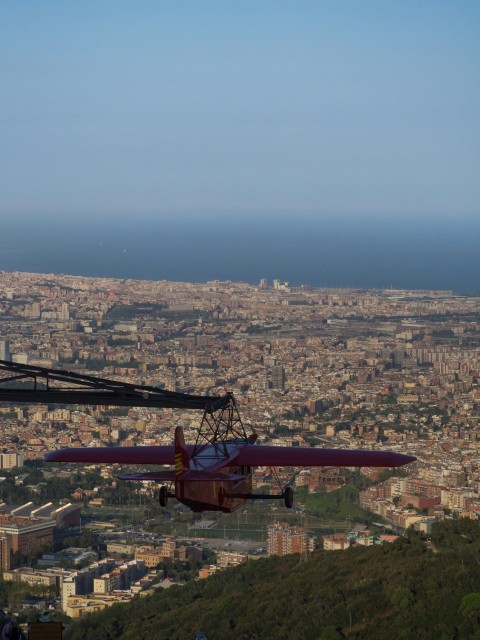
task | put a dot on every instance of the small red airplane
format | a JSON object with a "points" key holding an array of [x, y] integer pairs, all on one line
{"points": [[215, 473], [220, 478]]}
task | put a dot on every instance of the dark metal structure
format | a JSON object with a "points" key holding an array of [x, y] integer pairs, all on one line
{"points": [[220, 426], [24, 383], [55, 386]]}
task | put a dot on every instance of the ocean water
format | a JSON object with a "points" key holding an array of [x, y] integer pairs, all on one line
{"points": [[332, 253]]}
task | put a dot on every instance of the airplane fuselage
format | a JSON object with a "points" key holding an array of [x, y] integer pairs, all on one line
{"points": [[216, 495]]}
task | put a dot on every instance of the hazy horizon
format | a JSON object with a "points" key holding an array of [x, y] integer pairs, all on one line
{"points": [[420, 255], [330, 143]]}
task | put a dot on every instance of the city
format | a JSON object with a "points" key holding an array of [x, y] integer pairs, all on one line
{"points": [[376, 369], [240, 321]]}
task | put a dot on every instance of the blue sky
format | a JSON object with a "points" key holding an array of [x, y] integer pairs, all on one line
{"points": [[215, 108]]}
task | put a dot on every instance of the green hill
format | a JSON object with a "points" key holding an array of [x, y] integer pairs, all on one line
{"points": [[409, 589]]}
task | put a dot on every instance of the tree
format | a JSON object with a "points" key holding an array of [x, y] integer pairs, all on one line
{"points": [[87, 538], [402, 598], [470, 606]]}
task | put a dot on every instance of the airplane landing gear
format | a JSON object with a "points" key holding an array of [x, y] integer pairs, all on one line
{"points": [[163, 496], [288, 497]]}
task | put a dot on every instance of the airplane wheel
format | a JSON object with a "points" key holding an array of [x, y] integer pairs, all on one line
{"points": [[163, 496], [288, 497]]}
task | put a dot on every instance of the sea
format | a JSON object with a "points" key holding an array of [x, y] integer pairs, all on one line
{"points": [[355, 253]]}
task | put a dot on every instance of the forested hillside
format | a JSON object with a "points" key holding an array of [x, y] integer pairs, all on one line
{"points": [[413, 588]]}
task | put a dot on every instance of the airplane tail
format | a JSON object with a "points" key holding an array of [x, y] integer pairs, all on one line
{"points": [[181, 455]]}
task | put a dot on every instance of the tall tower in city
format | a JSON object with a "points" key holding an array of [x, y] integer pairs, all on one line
{"points": [[5, 350], [278, 377], [65, 311]]}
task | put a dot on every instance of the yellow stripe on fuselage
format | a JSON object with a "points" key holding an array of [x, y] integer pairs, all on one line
{"points": [[178, 464]]}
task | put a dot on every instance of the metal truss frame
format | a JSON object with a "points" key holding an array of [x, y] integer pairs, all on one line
{"points": [[52, 386], [220, 426]]}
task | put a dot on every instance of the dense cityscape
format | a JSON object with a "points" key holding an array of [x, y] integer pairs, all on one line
{"points": [[375, 369], [240, 321]]}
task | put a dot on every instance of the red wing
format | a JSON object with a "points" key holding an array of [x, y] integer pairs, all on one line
{"points": [[260, 456], [250, 455], [122, 455]]}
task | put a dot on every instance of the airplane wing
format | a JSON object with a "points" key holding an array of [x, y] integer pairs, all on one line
{"points": [[249, 455], [122, 455], [266, 456]]}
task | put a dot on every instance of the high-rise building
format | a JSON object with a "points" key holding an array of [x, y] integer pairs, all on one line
{"points": [[65, 311], [11, 459], [278, 377], [35, 310], [281, 286], [283, 540], [5, 350], [5, 552]]}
